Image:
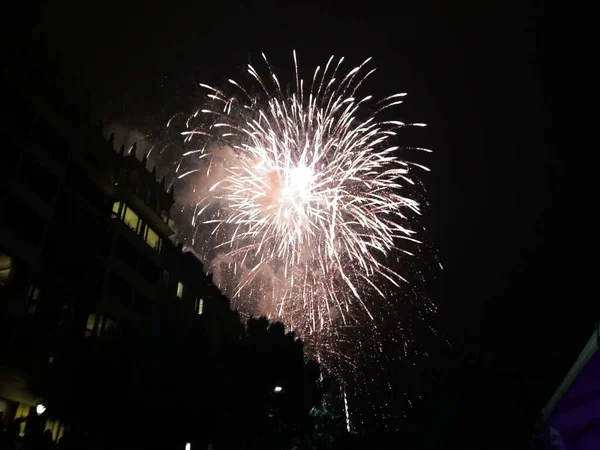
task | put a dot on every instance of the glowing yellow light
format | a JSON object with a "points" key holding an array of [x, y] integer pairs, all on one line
{"points": [[115, 209], [152, 239], [131, 219]]}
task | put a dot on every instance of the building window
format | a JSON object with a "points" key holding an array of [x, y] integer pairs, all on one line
{"points": [[98, 324], [22, 411], [133, 221], [56, 427], [152, 238], [7, 268], [199, 306], [116, 210], [179, 290], [32, 298], [126, 214], [91, 323]]}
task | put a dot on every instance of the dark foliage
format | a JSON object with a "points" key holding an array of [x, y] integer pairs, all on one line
{"points": [[178, 377]]}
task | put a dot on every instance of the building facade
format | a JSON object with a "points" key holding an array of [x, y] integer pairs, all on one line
{"points": [[84, 234]]}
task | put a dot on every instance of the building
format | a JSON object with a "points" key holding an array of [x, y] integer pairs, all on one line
{"points": [[84, 234], [572, 414]]}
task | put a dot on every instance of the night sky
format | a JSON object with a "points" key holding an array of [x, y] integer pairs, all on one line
{"points": [[476, 74]]}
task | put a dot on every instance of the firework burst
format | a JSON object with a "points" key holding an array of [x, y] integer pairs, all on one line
{"points": [[301, 199]]}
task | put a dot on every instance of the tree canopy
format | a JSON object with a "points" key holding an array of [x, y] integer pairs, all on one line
{"points": [[177, 377]]}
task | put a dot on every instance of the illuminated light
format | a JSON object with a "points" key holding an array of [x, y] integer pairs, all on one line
{"points": [[6, 268], [39, 409], [277, 389], [116, 209], [131, 219], [188, 446], [91, 321], [179, 289], [152, 238], [98, 323]]}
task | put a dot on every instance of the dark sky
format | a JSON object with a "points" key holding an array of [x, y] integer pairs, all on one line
{"points": [[475, 73]]}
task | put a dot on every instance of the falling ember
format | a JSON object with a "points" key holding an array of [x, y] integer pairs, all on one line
{"points": [[346, 411], [307, 203]]}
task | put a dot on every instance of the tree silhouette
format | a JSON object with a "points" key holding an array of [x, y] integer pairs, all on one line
{"points": [[327, 432], [177, 377]]}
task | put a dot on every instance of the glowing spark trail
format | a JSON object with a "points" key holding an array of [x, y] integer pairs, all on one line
{"points": [[303, 199]]}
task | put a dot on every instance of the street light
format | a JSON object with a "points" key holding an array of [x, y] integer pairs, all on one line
{"points": [[39, 409], [277, 389]]}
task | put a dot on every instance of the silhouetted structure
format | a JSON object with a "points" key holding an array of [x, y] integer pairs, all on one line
{"points": [[572, 415], [84, 237]]}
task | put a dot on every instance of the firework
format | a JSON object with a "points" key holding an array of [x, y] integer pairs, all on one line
{"points": [[301, 198]]}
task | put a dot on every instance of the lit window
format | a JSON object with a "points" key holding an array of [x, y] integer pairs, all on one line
{"points": [[131, 219], [22, 411], [199, 305], [116, 210], [152, 238], [179, 290], [55, 427], [97, 324], [7, 267], [89, 328]]}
